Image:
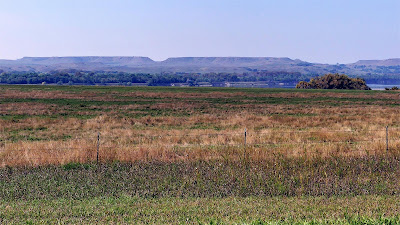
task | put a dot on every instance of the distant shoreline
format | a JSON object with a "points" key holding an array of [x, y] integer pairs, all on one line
{"points": [[375, 87]]}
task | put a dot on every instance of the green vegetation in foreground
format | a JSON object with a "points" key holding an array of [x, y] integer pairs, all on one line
{"points": [[233, 210], [281, 191], [371, 175]]}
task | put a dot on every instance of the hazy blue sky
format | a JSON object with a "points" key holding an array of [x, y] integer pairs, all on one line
{"points": [[313, 30]]}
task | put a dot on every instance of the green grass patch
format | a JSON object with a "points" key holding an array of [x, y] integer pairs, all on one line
{"points": [[19, 117], [269, 210], [122, 89], [280, 177]]}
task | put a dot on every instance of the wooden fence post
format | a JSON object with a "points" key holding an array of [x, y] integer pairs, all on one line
{"points": [[245, 140], [98, 148], [245, 136], [387, 139]]}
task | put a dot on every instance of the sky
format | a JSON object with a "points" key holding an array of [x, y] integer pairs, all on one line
{"points": [[324, 31]]}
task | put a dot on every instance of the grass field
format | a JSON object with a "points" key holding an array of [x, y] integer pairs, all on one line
{"points": [[274, 210], [177, 155], [38, 123]]}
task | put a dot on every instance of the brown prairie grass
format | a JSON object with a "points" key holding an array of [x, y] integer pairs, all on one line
{"points": [[191, 148], [188, 126]]}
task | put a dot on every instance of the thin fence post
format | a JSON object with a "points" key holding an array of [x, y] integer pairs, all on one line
{"points": [[98, 147], [387, 139], [245, 137]]}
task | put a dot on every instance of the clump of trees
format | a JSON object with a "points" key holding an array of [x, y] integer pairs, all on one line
{"points": [[334, 81]]}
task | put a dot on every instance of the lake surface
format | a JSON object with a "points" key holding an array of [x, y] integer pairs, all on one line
{"points": [[382, 86]]}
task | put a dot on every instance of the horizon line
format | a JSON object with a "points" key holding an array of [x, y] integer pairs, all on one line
{"points": [[174, 57]]}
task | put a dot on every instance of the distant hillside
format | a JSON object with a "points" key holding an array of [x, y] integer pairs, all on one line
{"points": [[228, 61], [116, 61], [387, 62], [388, 67]]}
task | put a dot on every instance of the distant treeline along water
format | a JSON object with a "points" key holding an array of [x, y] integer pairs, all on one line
{"points": [[245, 79]]}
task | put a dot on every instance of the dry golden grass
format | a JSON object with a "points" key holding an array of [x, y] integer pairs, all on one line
{"points": [[196, 147], [48, 126]]}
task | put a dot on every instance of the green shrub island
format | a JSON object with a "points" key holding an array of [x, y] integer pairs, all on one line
{"points": [[334, 81]]}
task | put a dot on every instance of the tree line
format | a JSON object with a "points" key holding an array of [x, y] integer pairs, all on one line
{"points": [[122, 78]]}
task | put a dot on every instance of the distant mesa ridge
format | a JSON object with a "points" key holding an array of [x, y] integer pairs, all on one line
{"points": [[127, 59], [226, 61], [386, 62], [139, 64], [86, 59]]}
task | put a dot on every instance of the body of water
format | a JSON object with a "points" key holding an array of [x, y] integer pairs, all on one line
{"points": [[382, 86]]}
